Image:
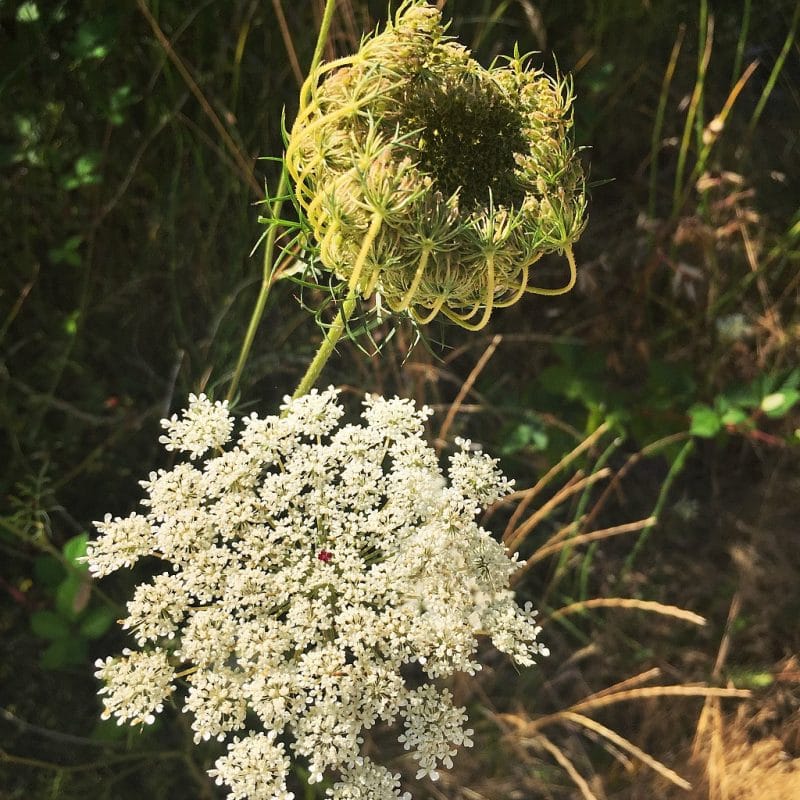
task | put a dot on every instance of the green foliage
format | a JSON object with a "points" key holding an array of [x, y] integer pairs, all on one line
{"points": [[73, 618], [741, 408]]}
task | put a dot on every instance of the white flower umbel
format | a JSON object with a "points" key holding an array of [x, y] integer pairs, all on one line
{"points": [[310, 561]]}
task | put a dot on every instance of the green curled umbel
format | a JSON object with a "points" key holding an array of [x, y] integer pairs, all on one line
{"points": [[459, 177]]}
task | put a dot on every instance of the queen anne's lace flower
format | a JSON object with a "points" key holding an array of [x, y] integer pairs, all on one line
{"points": [[310, 561], [136, 685], [204, 425]]}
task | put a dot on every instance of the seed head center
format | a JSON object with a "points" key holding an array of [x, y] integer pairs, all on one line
{"points": [[467, 134]]}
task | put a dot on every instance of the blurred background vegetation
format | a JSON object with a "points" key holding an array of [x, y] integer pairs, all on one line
{"points": [[132, 138]]}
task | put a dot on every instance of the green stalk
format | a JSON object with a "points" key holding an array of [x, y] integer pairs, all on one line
{"points": [[675, 469], [658, 127], [776, 70], [328, 344], [275, 213], [740, 44], [340, 323], [699, 120], [706, 41]]}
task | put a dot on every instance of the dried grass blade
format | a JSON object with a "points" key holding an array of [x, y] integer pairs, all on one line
{"points": [[658, 691], [603, 533], [640, 605], [518, 536], [465, 389], [566, 765], [629, 683], [625, 744], [533, 492]]}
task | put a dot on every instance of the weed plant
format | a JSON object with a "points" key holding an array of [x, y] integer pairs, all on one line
{"points": [[649, 417]]}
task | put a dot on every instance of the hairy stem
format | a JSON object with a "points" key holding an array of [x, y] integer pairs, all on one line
{"points": [[338, 326]]}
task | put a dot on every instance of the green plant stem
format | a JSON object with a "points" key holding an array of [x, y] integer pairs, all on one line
{"points": [[325, 26], [695, 104], [740, 44], [328, 344], [566, 552], [658, 127], [776, 70], [675, 469], [266, 284], [268, 270], [339, 325]]}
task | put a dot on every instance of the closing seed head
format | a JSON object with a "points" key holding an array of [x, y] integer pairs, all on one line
{"points": [[470, 172]]}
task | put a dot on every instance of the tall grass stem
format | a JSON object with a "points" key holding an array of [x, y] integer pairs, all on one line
{"points": [[658, 127], [776, 71], [275, 213]]}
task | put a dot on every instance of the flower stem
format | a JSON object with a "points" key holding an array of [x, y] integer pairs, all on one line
{"points": [[263, 294], [326, 348], [275, 213], [340, 323]]}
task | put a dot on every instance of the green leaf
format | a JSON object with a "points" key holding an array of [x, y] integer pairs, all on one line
{"points": [[86, 165], [72, 596], [71, 323], [68, 252], [121, 98], [564, 381], [65, 653], [748, 396], [778, 404], [734, 417], [84, 172], [791, 381], [752, 679], [48, 571], [92, 39], [522, 436], [28, 12], [75, 549], [667, 384], [705, 421], [49, 625], [96, 622]]}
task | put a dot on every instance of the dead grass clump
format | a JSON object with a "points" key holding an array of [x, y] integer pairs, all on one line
{"points": [[727, 763]]}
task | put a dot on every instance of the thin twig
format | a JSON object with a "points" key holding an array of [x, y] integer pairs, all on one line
{"points": [[245, 165], [465, 389]]}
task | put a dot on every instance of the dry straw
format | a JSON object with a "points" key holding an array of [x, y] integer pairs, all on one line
{"points": [[432, 180]]}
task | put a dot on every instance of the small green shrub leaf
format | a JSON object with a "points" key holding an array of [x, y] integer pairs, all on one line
{"points": [[705, 421], [28, 12], [75, 549], [779, 403], [522, 436], [72, 596], [49, 625], [96, 622], [734, 417], [48, 572]]}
